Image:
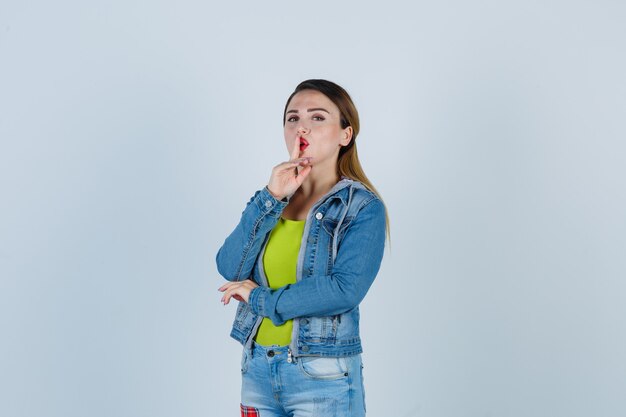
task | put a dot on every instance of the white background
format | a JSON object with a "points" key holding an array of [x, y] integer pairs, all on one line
{"points": [[132, 133]]}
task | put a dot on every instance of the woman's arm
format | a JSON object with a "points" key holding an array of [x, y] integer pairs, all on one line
{"points": [[236, 258], [357, 263]]}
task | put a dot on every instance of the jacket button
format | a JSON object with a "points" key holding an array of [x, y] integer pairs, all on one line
{"points": [[305, 348], [304, 321], [268, 204], [270, 353], [319, 216]]}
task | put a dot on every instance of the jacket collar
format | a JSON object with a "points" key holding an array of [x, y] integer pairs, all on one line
{"points": [[341, 190]]}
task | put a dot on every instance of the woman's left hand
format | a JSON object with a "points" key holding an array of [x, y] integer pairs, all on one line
{"points": [[239, 290]]}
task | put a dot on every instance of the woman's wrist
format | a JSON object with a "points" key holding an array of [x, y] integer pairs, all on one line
{"points": [[254, 301], [275, 195], [282, 198]]}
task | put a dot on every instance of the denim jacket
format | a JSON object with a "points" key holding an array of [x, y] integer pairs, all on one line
{"points": [[340, 254]]}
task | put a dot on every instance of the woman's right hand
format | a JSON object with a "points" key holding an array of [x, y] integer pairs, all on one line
{"points": [[286, 178]]}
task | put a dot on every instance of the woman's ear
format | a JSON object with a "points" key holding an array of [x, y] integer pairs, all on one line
{"points": [[347, 136]]}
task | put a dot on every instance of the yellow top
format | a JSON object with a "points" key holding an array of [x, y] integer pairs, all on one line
{"points": [[279, 262]]}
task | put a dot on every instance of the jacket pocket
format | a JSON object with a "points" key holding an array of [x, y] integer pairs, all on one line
{"points": [[321, 328], [329, 225]]}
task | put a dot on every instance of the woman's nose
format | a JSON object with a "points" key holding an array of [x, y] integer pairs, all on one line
{"points": [[302, 129]]}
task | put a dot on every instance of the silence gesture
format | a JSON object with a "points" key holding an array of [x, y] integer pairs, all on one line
{"points": [[287, 176]]}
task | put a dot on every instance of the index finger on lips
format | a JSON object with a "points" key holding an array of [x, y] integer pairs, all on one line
{"points": [[295, 151]]}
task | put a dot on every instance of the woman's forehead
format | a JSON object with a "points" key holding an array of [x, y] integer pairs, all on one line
{"points": [[306, 99]]}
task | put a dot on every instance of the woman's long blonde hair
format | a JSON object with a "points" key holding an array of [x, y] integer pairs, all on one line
{"points": [[348, 164]]}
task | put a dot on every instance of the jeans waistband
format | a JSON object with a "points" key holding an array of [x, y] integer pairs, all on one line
{"points": [[273, 350]]}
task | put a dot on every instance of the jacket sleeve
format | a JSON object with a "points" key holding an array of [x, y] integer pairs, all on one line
{"points": [[356, 265], [236, 258]]}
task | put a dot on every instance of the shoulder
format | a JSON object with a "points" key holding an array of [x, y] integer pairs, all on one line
{"points": [[366, 212], [363, 202], [362, 196]]}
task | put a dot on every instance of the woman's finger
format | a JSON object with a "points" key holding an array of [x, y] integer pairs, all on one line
{"points": [[226, 296], [239, 290], [230, 285], [284, 179], [227, 286], [304, 172], [235, 292], [288, 165], [295, 150]]}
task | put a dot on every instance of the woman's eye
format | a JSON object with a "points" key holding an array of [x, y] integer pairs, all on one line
{"points": [[318, 118], [292, 119]]}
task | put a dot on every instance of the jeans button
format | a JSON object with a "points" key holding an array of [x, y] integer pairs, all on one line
{"points": [[270, 353], [305, 348]]}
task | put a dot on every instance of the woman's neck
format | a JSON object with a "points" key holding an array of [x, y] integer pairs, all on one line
{"points": [[318, 183]]}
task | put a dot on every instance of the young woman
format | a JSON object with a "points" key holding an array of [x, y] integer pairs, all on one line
{"points": [[303, 256]]}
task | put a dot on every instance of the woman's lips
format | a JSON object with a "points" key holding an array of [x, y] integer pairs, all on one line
{"points": [[303, 144]]}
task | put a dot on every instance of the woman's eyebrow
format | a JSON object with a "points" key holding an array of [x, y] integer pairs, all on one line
{"points": [[309, 110]]}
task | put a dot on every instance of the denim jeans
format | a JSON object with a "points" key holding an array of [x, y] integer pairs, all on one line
{"points": [[276, 385]]}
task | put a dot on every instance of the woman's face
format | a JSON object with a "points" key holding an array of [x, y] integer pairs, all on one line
{"points": [[313, 120]]}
